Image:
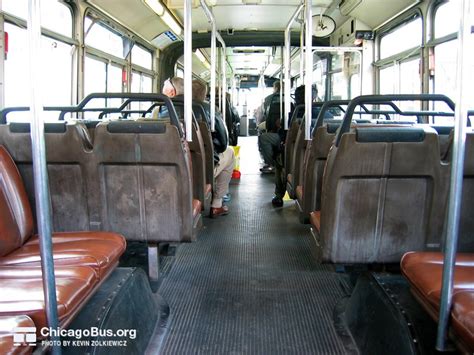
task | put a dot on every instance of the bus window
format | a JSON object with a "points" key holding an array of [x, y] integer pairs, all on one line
{"points": [[402, 74], [102, 38], [141, 57], [55, 16], [100, 76], [95, 79], [354, 85], [404, 37], [56, 74], [179, 73], [447, 19], [140, 83], [319, 77], [343, 65], [403, 78], [444, 80], [387, 81]]}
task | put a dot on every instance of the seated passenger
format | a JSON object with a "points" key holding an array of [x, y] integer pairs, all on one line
{"points": [[224, 160], [173, 87], [280, 175], [269, 141]]}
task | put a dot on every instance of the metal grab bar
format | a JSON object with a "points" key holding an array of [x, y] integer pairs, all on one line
{"points": [[383, 99], [129, 98], [457, 172], [40, 172], [287, 65], [308, 76]]}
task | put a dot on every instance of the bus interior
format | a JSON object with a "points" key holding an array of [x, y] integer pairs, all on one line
{"points": [[356, 236]]}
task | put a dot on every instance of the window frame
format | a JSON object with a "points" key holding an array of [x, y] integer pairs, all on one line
{"points": [[404, 56], [6, 18]]}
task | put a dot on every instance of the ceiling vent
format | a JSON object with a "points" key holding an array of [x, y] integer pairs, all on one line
{"points": [[248, 51], [347, 6]]}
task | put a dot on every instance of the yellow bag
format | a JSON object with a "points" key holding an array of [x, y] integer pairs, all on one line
{"points": [[236, 157], [236, 173]]}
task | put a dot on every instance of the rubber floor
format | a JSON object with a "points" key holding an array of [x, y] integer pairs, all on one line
{"points": [[251, 284]]}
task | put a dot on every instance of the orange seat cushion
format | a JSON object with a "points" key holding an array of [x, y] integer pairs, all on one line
{"points": [[315, 220], [22, 291], [299, 192], [463, 317], [197, 207], [7, 324], [99, 250]]}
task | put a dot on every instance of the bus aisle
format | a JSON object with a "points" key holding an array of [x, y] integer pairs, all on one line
{"points": [[250, 283]]}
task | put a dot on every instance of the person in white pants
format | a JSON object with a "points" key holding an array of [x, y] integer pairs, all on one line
{"points": [[224, 161]]}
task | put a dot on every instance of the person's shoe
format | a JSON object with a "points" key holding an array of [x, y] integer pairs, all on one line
{"points": [[277, 201], [226, 197], [267, 169], [219, 211]]}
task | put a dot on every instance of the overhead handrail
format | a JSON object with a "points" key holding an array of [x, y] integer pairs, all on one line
{"points": [[128, 97], [383, 99], [457, 173], [287, 65], [40, 172]]}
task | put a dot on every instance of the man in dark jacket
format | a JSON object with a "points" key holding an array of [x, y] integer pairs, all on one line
{"points": [[269, 141]]}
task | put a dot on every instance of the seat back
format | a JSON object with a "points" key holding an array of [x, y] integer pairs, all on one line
{"points": [[291, 136], [206, 135], [317, 152], [16, 220], [68, 153], [296, 165], [145, 181], [382, 195], [198, 155], [466, 223]]}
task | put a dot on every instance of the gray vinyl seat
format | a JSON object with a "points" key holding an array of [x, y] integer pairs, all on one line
{"points": [[68, 151], [202, 187], [308, 194], [291, 136], [384, 194], [466, 223], [145, 175]]}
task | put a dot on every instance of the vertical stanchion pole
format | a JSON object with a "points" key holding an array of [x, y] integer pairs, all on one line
{"points": [[282, 68], [188, 68], [308, 78], [213, 76], [302, 50], [213, 69], [287, 64], [224, 83], [457, 172], [43, 209]]}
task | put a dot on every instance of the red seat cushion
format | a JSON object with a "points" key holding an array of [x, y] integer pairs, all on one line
{"points": [[197, 207], [315, 220], [16, 221], [7, 324], [424, 270], [99, 250], [463, 317], [299, 192], [22, 292]]}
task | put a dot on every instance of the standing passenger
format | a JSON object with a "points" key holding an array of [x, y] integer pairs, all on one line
{"points": [[224, 162]]}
